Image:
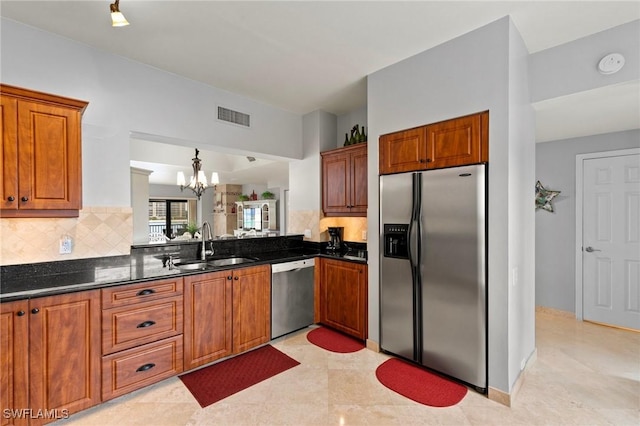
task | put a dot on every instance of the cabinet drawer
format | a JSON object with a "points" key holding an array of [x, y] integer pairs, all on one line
{"points": [[133, 369], [127, 327], [141, 292]]}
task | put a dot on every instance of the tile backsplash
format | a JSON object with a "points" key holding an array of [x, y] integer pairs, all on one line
{"points": [[314, 220], [353, 227], [97, 232]]}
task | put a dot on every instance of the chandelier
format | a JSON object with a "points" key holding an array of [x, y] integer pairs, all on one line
{"points": [[198, 182], [117, 18]]}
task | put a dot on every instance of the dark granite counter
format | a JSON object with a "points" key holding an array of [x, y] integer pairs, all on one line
{"points": [[149, 262]]}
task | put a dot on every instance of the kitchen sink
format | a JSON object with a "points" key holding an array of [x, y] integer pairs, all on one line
{"points": [[197, 264], [230, 261], [192, 266]]}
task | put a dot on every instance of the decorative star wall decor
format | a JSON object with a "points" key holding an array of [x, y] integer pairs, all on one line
{"points": [[544, 197]]}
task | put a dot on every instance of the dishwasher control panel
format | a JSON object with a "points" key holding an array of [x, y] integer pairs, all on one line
{"points": [[291, 266]]}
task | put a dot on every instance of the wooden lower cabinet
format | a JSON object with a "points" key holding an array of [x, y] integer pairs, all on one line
{"points": [[52, 357], [14, 360], [132, 369], [142, 328], [225, 313], [251, 307], [342, 296], [207, 318]]}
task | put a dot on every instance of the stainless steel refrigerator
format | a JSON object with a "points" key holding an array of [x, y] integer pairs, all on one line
{"points": [[433, 272]]}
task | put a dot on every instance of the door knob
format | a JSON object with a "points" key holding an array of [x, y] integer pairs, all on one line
{"points": [[591, 249]]}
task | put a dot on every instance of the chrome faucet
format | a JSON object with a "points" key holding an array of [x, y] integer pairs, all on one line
{"points": [[205, 252]]}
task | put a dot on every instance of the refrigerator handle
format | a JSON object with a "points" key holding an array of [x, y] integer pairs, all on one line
{"points": [[414, 225]]}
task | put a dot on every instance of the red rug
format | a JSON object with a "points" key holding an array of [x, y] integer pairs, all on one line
{"points": [[418, 384], [218, 381], [333, 341]]}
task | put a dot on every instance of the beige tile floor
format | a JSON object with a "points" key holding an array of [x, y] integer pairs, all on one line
{"points": [[584, 374]]}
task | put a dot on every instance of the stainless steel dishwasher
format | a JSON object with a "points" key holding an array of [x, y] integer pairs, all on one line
{"points": [[291, 296]]}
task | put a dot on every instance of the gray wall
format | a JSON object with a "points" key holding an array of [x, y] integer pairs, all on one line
{"points": [[347, 121], [572, 67], [482, 70], [555, 232], [318, 134]]}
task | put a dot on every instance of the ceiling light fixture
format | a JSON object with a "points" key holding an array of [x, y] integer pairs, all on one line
{"points": [[198, 182], [117, 18]]}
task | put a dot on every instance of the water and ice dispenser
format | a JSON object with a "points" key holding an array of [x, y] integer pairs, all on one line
{"points": [[396, 240]]}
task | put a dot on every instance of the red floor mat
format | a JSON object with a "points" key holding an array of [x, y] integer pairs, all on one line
{"points": [[418, 384], [218, 381], [333, 341]]}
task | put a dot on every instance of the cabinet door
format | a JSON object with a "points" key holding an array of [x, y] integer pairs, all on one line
{"points": [[9, 152], [344, 181], [358, 184], [343, 297], [336, 176], [207, 318], [49, 157], [64, 351], [251, 307], [403, 151], [454, 142], [14, 360]]}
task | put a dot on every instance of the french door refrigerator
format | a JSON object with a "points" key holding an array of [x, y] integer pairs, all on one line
{"points": [[433, 294]]}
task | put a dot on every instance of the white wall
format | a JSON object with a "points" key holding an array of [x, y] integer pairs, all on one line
{"points": [[555, 232], [126, 96], [465, 75]]}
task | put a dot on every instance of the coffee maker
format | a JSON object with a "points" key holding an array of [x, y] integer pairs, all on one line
{"points": [[335, 239]]}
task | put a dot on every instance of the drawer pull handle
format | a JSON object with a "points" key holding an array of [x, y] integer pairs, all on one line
{"points": [[146, 324], [20, 313], [146, 291], [145, 367]]}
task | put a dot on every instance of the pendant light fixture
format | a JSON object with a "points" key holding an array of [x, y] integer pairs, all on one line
{"points": [[117, 18], [198, 182]]}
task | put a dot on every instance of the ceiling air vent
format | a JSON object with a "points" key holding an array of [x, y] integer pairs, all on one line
{"points": [[234, 117]]}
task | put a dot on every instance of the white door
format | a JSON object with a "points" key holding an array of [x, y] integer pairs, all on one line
{"points": [[611, 240]]}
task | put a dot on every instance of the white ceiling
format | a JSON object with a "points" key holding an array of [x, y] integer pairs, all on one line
{"points": [[303, 56]]}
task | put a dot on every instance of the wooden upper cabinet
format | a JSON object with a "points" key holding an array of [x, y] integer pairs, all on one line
{"points": [[456, 142], [344, 181], [403, 151], [41, 154]]}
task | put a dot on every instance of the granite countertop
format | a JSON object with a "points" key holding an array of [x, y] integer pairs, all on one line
{"points": [[149, 263]]}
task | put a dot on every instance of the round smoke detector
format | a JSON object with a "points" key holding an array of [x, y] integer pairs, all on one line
{"points": [[611, 63]]}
